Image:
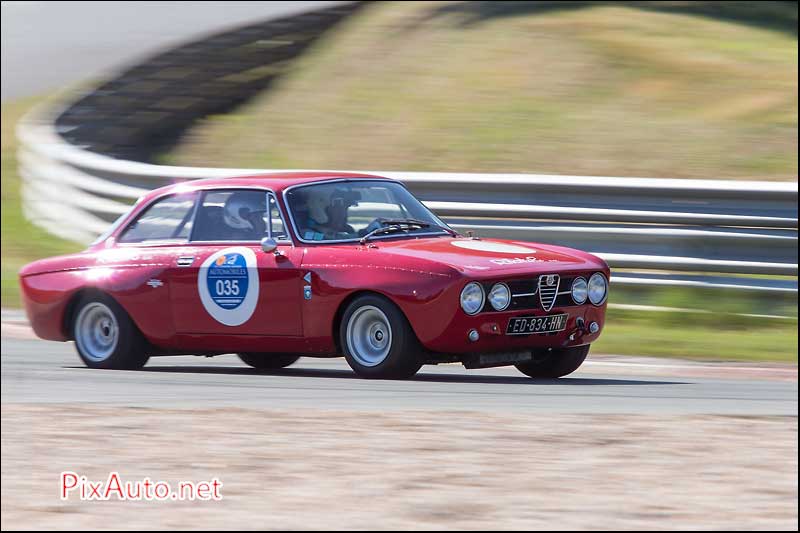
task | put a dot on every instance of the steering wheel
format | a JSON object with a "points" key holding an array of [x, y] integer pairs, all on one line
{"points": [[372, 226]]}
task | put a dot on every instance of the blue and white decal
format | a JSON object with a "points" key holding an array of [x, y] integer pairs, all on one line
{"points": [[228, 285]]}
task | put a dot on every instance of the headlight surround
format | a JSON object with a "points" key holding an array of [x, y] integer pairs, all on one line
{"points": [[500, 296], [598, 288], [580, 291], [472, 298]]}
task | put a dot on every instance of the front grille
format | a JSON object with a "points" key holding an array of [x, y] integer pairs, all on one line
{"points": [[526, 296], [548, 290]]}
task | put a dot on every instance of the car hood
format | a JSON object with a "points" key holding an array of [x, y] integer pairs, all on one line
{"points": [[489, 257]]}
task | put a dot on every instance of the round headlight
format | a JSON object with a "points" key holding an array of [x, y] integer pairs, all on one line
{"points": [[499, 296], [580, 291], [472, 298], [598, 288]]}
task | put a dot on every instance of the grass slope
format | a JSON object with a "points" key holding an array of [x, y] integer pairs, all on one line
{"points": [[570, 89]]}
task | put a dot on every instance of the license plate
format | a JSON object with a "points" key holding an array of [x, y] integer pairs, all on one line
{"points": [[530, 325]]}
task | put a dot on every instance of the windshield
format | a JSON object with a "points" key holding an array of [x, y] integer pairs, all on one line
{"points": [[350, 210]]}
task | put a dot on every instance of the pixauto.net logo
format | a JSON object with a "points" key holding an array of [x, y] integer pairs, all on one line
{"points": [[75, 485]]}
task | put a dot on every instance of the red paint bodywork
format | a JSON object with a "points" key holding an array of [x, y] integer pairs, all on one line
{"points": [[423, 276]]}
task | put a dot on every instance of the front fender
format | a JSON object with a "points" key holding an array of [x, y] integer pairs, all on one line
{"points": [[413, 290]]}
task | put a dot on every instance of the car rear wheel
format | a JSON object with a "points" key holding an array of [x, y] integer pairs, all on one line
{"points": [[378, 341], [268, 361], [554, 363], [106, 337]]}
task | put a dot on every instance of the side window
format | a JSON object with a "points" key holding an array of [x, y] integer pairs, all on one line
{"points": [[168, 219], [237, 215]]}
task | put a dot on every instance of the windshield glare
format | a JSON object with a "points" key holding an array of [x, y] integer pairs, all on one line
{"points": [[349, 210]]}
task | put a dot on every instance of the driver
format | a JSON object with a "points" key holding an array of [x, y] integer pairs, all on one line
{"points": [[243, 213], [326, 214]]}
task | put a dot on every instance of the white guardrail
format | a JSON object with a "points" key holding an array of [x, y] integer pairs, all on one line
{"points": [[694, 233]]}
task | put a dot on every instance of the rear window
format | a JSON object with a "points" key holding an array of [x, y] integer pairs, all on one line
{"points": [[167, 219]]}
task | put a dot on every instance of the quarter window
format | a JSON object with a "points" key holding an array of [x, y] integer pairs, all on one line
{"points": [[167, 219]]}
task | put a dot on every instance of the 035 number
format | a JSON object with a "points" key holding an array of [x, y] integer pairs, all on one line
{"points": [[228, 287]]}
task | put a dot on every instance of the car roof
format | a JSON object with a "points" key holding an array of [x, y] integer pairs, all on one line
{"points": [[276, 181]]}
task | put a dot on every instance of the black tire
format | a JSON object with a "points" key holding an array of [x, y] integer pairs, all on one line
{"points": [[268, 361], [554, 363], [129, 349], [405, 355]]}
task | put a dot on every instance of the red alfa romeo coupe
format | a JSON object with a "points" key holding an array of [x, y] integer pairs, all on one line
{"points": [[279, 266]]}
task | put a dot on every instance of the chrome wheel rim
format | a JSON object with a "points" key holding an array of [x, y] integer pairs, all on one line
{"points": [[369, 336], [96, 332]]}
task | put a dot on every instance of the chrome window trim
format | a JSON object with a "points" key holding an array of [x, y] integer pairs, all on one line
{"points": [[196, 243], [355, 239], [197, 203], [150, 244]]}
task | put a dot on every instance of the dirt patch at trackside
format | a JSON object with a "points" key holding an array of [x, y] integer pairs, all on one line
{"points": [[422, 470]]}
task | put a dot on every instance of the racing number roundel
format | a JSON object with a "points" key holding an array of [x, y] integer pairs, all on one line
{"points": [[228, 285]]}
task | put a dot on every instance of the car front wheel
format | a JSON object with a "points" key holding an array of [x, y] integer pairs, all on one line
{"points": [[106, 337], [554, 363], [378, 341], [268, 361]]}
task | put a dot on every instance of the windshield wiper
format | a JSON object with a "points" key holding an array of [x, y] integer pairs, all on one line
{"points": [[393, 225], [450, 231]]}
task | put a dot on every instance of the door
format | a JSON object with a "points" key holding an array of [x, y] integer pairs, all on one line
{"points": [[223, 283]]}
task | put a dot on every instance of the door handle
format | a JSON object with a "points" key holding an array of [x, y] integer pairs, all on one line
{"points": [[185, 261]]}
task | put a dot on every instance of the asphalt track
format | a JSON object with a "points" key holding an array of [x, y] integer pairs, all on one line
{"points": [[35, 371]]}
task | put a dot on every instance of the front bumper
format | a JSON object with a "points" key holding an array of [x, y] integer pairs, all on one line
{"points": [[492, 337]]}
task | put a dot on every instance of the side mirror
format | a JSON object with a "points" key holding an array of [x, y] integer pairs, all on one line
{"points": [[268, 244]]}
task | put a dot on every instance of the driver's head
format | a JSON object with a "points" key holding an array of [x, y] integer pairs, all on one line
{"points": [[317, 203], [245, 210]]}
